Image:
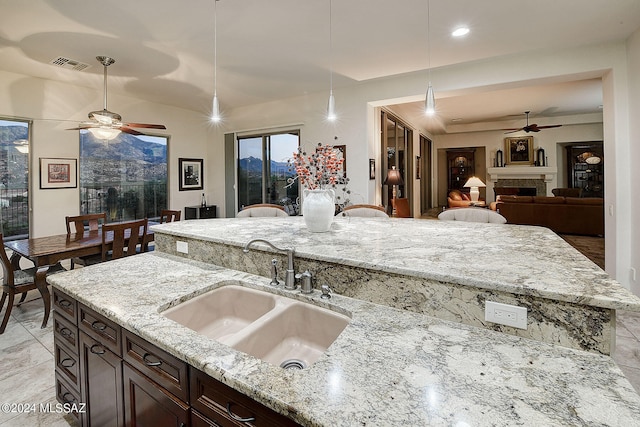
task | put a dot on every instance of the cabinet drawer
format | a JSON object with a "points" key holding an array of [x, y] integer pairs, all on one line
{"points": [[98, 327], [199, 420], [166, 370], [212, 398], [64, 332], [67, 366], [67, 396], [65, 305]]}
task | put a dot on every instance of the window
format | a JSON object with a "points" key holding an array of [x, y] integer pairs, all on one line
{"points": [[14, 178], [263, 171], [125, 177]]}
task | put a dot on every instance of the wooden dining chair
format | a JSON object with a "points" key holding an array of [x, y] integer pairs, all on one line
{"points": [[15, 281], [167, 215], [123, 239], [82, 223]]}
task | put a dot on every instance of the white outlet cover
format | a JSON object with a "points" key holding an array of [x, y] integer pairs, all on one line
{"points": [[182, 247], [505, 314]]}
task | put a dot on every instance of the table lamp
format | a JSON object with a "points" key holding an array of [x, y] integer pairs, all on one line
{"points": [[393, 178], [474, 183]]}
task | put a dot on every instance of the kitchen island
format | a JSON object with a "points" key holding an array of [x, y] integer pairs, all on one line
{"points": [[389, 366], [445, 269]]}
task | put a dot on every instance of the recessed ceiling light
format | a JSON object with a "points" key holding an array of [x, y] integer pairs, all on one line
{"points": [[461, 31]]}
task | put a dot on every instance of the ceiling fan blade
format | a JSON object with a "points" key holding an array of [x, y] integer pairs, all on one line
{"points": [[82, 127], [513, 130], [145, 125], [550, 126], [130, 131]]}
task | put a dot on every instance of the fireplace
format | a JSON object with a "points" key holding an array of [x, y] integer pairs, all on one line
{"points": [[522, 180], [521, 187], [515, 191]]}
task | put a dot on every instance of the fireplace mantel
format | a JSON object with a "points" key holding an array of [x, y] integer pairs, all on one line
{"points": [[523, 172]]}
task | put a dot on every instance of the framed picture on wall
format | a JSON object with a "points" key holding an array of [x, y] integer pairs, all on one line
{"points": [[190, 174], [519, 150], [341, 153], [58, 173]]}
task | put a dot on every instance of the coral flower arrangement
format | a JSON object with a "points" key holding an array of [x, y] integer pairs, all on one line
{"points": [[320, 170]]}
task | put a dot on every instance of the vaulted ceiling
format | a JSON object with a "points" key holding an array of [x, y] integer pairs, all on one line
{"points": [[275, 49]]}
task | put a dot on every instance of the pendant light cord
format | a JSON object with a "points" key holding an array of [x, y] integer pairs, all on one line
{"points": [[330, 48], [429, 39], [215, 48]]}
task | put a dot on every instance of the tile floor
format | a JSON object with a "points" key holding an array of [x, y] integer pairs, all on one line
{"points": [[27, 362]]}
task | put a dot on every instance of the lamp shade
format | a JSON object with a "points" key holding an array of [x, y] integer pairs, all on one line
{"points": [[393, 177], [474, 182]]}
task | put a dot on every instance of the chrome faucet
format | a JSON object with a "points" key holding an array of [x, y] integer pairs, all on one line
{"points": [[289, 278]]}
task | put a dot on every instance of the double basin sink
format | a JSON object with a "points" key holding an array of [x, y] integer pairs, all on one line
{"points": [[277, 329]]}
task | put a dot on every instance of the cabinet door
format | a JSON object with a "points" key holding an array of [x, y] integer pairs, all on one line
{"points": [[101, 376], [147, 404]]}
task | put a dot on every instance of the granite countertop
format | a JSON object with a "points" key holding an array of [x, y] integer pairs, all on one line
{"points": [[388, 367], [524, 260]]}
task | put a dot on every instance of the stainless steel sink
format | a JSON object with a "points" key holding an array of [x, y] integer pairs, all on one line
{"points": [[279, 330]]}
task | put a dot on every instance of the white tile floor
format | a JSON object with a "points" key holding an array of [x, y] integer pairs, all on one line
{"points": [[27, 362]]}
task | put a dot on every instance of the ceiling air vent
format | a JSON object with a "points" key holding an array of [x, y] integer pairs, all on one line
{"points": [[70, 64]]}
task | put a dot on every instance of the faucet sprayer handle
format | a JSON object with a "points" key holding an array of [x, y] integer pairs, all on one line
{"points": [[326, 291]]}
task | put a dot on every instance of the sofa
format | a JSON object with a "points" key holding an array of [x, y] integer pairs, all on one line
{"points": [[564, 215], [458, 199]]}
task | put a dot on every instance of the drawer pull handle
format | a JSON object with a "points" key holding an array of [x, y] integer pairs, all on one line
{"points": [[237, 418], [99, 326], [148, 362], [97, 346], [67, 363], [67, 399], [64, 303], [66, 332]]}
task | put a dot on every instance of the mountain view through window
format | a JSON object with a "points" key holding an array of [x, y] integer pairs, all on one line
{"points": [[125, 177]]}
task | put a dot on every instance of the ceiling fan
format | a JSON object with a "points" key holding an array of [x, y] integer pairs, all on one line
{"points": [[105, 124], [531, 127]]}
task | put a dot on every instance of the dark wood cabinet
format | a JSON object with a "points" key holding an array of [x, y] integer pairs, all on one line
{"points": [[200, 212], [222, 405], [125, 380], [585, 168], [101, 383], [148, 404], [460, 167]]}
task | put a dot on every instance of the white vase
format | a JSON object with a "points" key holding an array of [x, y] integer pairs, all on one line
{"points": [[318, 208]]}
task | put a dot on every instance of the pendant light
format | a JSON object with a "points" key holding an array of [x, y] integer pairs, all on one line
{"points": [[215, 111], [430, 100], [331, 105]]}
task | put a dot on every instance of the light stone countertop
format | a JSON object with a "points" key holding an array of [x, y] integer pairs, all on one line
{"points": [[387, 368], [518, 259]]}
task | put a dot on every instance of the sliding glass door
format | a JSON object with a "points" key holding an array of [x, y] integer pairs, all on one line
{"points": [[263, 170]]}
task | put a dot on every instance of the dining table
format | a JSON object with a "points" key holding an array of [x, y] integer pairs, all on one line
{"points": [[46, 252]]}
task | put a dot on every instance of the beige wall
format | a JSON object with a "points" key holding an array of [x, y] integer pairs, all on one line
{"points": [[633, 52]]}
